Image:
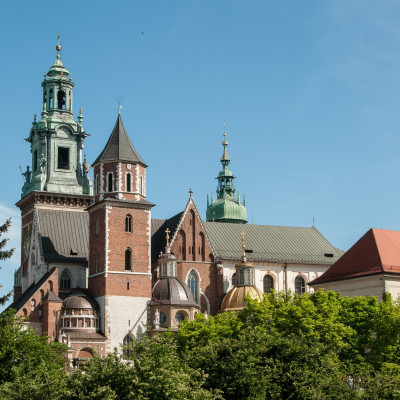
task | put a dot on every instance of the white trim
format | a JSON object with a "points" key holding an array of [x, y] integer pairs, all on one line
{"points": [[121, 273]]}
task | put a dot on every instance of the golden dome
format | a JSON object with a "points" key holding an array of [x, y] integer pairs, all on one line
{"points": [[234, 299]]}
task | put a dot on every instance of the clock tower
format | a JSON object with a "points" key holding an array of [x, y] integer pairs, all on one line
{"points": [[57, 176]]}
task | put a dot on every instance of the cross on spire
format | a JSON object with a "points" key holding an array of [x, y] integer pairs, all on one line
{"points": [[167, 231]]}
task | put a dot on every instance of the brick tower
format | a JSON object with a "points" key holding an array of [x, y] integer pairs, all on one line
{"points": [[119, 239]]}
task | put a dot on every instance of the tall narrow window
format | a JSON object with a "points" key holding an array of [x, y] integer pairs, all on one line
{"points": [[97, 227], [128, 259], [63, 158], [35, 161], [193, 283], [65, 279], [234, 279], [268, 283], [128, 182], [97, 184], [299, 285], [127, 346], [141, 185], [128, 223], [61, 99], [110, 182]]}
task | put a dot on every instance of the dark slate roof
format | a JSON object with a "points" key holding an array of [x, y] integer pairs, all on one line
{"points": [[158, 227], [65, 235], [119, 147], [51, 296], [17, 304], [272, 243], [87, 335]]}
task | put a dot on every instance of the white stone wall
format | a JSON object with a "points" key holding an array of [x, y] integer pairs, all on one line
{"points": [[120, 316], [277, 271]]}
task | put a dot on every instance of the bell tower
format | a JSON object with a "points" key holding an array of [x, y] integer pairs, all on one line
{"points": [[119, 239]]}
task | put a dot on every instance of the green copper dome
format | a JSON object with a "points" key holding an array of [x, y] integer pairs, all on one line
{"points": [[226, 208]]}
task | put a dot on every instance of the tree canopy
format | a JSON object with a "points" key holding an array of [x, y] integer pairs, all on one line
{"points": [[316, 346], [5, 254]]}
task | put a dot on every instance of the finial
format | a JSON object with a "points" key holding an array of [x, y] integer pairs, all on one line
{"points": [[119, 108], [44, 74], [190, 193], [167, 231], [244, 244], [80, 116], [58, 47], [34, 117]]}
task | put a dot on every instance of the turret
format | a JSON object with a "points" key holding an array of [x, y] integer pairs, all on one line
{"points": [[226, 208]]}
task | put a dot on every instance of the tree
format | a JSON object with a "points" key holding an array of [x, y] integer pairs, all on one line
{"points": [[5, 254]]}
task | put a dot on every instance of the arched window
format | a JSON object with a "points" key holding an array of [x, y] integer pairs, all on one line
{"points": [[241, 277], [193, 283], [65, 279], [299, 285], [182, 244], [268, 283], [110, 182], [234, 279], [61, 99], [51, 285], [33, 304], [128, 182], [127, 346], [128, 259], [128, 223]]}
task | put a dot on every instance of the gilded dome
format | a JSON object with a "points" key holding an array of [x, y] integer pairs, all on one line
{"points": [[234, 299]]}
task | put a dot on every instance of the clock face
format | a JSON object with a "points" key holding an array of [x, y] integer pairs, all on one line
{"points": [[27, 245]]}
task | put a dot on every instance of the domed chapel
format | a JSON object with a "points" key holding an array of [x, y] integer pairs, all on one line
{"points": [[98, 271]]}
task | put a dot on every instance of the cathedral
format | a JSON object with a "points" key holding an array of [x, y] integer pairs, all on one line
{"points": [[97, 271]]}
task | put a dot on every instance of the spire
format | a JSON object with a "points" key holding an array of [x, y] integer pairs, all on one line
{"points": [[226, 208], [119, 147]]}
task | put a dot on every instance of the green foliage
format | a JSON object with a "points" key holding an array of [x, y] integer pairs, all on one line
{"points": [[22, 351], [5, 254]]}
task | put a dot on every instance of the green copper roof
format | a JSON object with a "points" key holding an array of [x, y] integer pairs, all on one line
{"points": [[272, 243], [226, 208]]}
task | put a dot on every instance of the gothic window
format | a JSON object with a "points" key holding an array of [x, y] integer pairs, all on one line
{"points": [[128, 223], [50, 285], [61, 99], [182, 242], [65, 279], [128, 259], [110, 182], [234, 279], [193, 283], [33, 304], [299, 285], [128, 182], [202, 246], [268, 283], [63, 158], [127, 346]]}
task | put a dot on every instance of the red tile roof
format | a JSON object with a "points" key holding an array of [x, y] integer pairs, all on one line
{"points": [[378, 251]]}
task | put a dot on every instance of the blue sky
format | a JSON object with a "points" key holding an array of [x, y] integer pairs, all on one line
{"points": [[310, 91]]}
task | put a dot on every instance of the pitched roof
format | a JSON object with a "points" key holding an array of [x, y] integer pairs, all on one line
{"points": [[272, 243], [158, 227], [19, 303], [119, 147], [377, 251], [65, 235]]}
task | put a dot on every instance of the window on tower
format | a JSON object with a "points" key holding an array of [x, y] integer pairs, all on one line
{"points": [[193, 283], [63, 158], [61, 99], [128, 259], [128, 182], [110, 182], [128, 223], [35, 161]]}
